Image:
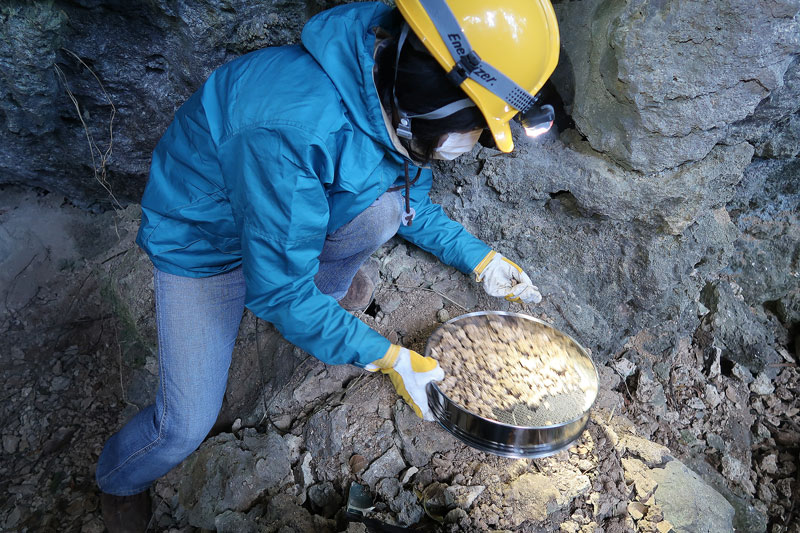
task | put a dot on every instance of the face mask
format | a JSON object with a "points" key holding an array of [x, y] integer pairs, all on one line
{"points": [[455, 144]]}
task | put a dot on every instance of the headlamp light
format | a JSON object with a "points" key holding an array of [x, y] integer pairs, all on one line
{"points": [[538, 120]]}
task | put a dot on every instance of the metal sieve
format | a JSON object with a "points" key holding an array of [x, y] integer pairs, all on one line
{"points": [[520, 431]]}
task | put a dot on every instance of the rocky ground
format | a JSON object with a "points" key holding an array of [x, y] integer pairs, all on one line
{"points": [[695, 443]]}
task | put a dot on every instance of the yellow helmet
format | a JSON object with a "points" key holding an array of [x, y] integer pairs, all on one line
{"points": [[506, 51]]}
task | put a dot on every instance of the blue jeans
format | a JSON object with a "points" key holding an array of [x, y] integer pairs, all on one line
{"points": [[197, 321]]}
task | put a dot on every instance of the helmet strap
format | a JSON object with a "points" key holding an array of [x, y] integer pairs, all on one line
{"points": [[403, 128], [468, 64]]}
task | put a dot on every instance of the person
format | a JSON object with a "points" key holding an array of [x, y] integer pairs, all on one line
{"points": [[286, 170]]}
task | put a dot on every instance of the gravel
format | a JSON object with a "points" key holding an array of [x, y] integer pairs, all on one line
{"points": [[514, 370]]}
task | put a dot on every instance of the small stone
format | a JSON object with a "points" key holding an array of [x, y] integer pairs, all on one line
{"points": [[293, 443], [302, 473], [408, 474], [454, 516], [733, 469], [712, 396], [664, 527], [716, 368], [13, 518], [762, 385], [10, 443], [388, 488], [463, 496], [570, 527], [742, 373], [645, 487], [391, 304], [93, 525], [407, 507], [715, 441], [785, 487], [637, 510], [324, 498], [696, 403], [769, 464], [60, 383], [358, 463], [282, 422], [75, 507], [443, 315], [236, 426], [390, 464], [625, 367], [730, 393]]}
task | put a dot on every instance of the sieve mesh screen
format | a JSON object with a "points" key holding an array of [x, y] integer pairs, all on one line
{"points": [[561, 408]]}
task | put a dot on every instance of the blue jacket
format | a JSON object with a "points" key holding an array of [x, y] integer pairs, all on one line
{"points": [[279, 148]]}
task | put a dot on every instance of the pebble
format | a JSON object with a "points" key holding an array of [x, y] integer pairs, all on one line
{"points": [[358, 463], [762, 385], [12, 519], [442, 315], [712, 396], [715, 441], [454, 516], [625, 367], [570, 527], [60, 383], [696, 403], [637, 510], [664, 527], [734, 469], [769, 464], [10, 443], [742, 373], [408, 474]]}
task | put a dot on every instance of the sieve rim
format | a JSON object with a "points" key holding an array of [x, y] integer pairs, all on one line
{"points": [[493, 436]]}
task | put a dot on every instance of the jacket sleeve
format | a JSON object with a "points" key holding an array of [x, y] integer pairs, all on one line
{"points": [[281, 212], [433, 231]]}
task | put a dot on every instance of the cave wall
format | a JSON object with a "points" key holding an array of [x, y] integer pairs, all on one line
{"points": [[88, 87], [679, 165], [681, 169]]}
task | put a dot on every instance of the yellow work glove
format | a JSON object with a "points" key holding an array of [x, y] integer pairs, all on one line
{"points": [[505, 279], [410, 374]]}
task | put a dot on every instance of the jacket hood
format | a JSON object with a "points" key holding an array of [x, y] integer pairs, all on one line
{"points": [[342, 41]]}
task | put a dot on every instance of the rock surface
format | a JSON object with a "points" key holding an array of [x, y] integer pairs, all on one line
{"points": [[688, 502], [89, 87], [663, 81]]}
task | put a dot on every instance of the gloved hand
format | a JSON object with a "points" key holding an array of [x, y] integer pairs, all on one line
{"points": [[410, 373], [503, 278]]}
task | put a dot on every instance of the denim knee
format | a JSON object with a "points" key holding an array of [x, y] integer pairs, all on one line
{"points": [[383, 217], [181, 437]]}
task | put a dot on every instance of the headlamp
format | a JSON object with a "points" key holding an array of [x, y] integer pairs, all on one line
{"points": [[537, 120]]}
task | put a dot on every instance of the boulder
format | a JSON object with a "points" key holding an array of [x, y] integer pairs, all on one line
{"points": [[688, 503], [228, 474], [657, 85]]}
